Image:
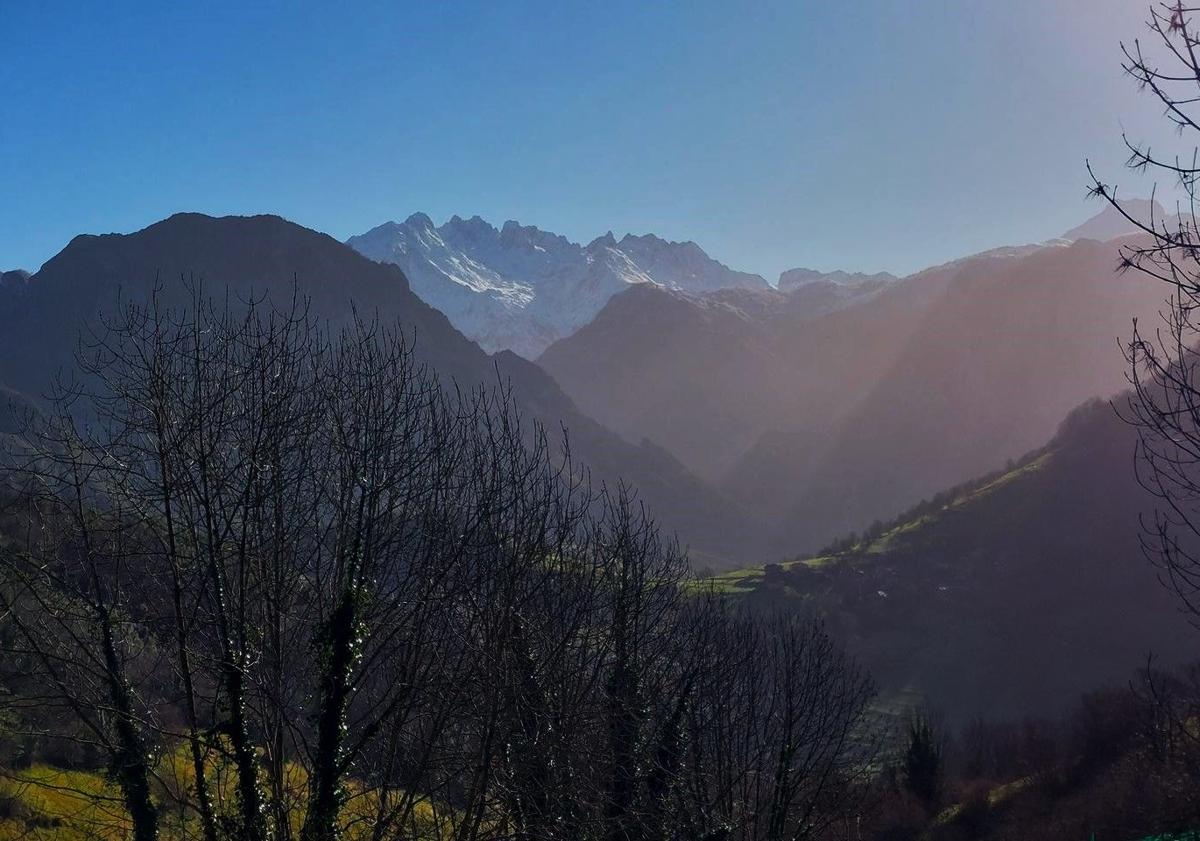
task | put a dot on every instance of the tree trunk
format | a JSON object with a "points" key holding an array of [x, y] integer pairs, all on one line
{"points": [[129, 763], [325, 794]]}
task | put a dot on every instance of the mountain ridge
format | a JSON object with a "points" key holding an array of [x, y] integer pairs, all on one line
{"points": [[1111, 223], [268, 255], [795, 278], [826, 416], [520, 288], [1019, 563]]}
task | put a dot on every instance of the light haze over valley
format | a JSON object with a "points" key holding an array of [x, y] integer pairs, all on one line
{"points": [[619, 422]]}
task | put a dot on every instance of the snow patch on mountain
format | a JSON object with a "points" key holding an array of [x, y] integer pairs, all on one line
{"points": [[521, 288]]}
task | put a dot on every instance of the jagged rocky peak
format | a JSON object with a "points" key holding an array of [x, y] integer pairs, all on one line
{"points": [[521, 287], [646, 242], [685, 265], [601, 242], [418, 220], [530, 236], [475, 227]]}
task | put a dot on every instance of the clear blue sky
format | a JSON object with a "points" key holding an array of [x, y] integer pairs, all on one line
{"points": [[869, 135]]}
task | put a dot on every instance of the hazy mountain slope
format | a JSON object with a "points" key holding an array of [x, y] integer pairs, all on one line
{"points": [[685, 372], [708, 376], [521, 288], [1009, 596], [831, 362], [1110, 224], [795, 278], [1002, 355], [824, 414], [263, 254]]}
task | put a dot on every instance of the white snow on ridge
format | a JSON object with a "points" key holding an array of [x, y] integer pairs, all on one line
{"points": [[522, 288]]}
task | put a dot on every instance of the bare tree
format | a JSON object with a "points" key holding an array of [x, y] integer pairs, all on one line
{"points": [[358, 599], [71, 596], [781, 735], [1162, 359]]}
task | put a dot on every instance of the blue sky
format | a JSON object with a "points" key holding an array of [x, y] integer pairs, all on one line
{"points": [[864, 135]]}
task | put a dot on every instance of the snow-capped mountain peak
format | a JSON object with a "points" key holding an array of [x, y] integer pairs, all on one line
{"points": [[520, 287]]}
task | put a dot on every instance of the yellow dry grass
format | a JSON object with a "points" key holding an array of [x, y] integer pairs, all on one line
{"points": [[43, 803]]}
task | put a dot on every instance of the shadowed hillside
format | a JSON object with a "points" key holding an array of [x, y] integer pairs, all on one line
{"points": [[40, 323], [1010, 595]]}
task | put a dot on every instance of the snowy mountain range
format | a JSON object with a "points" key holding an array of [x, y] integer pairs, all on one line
{"points": [[521, 288]]}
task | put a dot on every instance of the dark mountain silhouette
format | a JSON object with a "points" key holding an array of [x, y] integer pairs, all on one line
{"points": [[269, 255], [14, 279], [1008, 596]]}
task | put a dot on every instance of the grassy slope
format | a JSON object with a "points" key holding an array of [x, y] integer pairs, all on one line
{"points": [[52, 804], [1011, 596]]}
